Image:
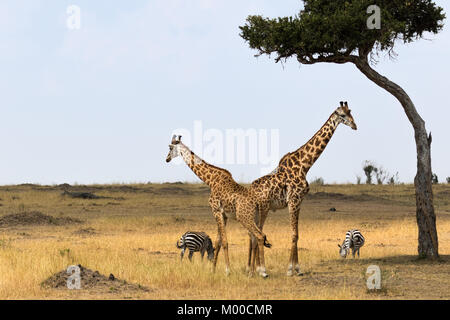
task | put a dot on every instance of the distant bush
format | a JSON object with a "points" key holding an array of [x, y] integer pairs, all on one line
{"points": [[318, 181], [394, 179], [448, 179], [371, 169], [381, 174]]}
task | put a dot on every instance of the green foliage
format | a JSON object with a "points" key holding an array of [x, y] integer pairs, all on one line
{"points": [[339, 28], [318, 181], [64, 252], [369, 167], [394, 179]]}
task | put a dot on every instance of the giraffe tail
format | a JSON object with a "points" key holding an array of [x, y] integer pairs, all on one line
{"points": [[266, 243]]}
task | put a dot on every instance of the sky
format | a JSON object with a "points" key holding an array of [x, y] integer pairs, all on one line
{"points": [[99, 103]]}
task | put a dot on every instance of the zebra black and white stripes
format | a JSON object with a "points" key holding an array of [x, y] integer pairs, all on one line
{"points": [[196, 242], [353, 240]]}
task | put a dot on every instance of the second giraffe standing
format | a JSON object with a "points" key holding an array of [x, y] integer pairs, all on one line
{"points": [[286, 186]]}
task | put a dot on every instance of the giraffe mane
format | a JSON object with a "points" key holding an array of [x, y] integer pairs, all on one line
{"points": [[314, 134], [208, 164]]}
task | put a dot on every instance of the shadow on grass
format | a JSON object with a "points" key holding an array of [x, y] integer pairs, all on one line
{"points": [[403, 259]]}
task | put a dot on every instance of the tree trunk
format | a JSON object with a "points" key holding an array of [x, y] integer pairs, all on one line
{"points": [[426, 219]]}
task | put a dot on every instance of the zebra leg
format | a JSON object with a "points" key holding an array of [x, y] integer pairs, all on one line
{"points": [[191, 253], [202, 252], [182, 253]]}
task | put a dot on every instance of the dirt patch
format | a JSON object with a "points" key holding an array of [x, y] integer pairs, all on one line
{"points": [[90, 279], [81, 195], [85, 232], [443, 194], [163, 253], [109, 188], [34, 218], [174, 190], [331, 279], [340, 196]]}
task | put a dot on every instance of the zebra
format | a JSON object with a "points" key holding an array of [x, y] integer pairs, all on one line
{"points": [[353, 240], [196, 242]]}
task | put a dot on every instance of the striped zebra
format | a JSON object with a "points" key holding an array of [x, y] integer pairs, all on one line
{"points": [[196, 242], [353, 240]]}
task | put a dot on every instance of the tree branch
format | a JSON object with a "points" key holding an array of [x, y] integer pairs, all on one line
{"points": [[330, 59]]}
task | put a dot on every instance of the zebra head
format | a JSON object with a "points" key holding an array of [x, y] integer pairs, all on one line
{"points": [[180, 243], [343, 250]]}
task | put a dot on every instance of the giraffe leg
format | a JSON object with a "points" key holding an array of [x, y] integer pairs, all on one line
{"points": [[255, 255], [251, 226], [221, 220], [256, 263], [255, 251], [263, 213], [293, 261], [250, 250], [217, 248]]}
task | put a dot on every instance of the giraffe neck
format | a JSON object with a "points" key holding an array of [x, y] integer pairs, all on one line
{"points": [[206, 172], [308, 154]]}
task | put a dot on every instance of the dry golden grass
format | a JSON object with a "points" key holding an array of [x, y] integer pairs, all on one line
{"points": [[132, 234]]}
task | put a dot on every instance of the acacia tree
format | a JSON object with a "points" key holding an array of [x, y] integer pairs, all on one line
{"points": [[344, 31]]}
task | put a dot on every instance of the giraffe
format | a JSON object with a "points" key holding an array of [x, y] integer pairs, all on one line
{"points": [[225, 194], [286, 186]]}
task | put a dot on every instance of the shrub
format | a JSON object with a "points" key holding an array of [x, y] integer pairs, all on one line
{"points": [[318, 181]]}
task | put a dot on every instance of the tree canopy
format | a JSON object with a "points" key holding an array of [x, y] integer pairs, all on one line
{"points": [[336, 30], [341, 31]]}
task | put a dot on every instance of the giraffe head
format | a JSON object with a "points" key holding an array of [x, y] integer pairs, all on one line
{"points": [[174, 148], [343, 115]]}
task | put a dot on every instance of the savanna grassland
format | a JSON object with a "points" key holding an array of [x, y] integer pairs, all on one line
{"points": [[131, 231]]}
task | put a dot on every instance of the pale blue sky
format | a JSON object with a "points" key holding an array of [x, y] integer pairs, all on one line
{"points": [[99, 104]]}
